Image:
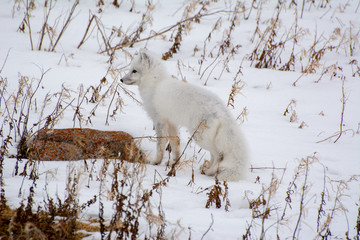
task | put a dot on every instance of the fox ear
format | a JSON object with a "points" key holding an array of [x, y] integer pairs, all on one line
{"points": [[145, 57]]}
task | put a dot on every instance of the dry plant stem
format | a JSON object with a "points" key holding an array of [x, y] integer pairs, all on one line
{"points": [[303, 190], [3, 84], [343, 101], [27, 21], [257, 29], [98, 102], [7, 55], [146, 18], [156, 34], [99, 99], [224, 46], [3, 150], [45, 25], [322, 203], [302, 8], [183, 29], [211, 224], [108, 111], [247, 235], [10, 115], [180, 72], [334, 208], [102, 177], [252, 6], [266, 168], [67, 22], [25, 123], [101, 29], [358, 219], [77, 113], [227, 60], [214, 61], [131, 95], [235, 88], [289, 192], [52, 117], [266, 53], [315, 56], [272, 189], [86, 31], [336, 135], [302, 74], [291, 62]]}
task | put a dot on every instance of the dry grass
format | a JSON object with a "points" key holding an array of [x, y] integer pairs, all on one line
{"points": [[275, 46], [268, 215]]}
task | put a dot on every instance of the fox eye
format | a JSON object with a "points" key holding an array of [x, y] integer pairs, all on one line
{"points": [[134, 71]]}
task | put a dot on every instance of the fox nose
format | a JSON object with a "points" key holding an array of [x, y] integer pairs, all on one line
{"points": [[121, 80]]}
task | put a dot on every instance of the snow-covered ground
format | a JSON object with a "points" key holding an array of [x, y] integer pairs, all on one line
{"points": [[293, 155]]}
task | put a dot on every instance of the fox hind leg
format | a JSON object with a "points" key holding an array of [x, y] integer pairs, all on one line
{"points": [[211, 168]]}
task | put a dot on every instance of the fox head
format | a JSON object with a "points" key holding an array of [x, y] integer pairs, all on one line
{"points": [[140, 66]]}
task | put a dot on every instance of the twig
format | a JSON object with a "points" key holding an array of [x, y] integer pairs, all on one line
{"points": [[266, 168], [302, 9], [343, 100], [103, 35], [211, 224], [357, 8], [289, 192], [247, 234], [266, 213], [252, 6], [56, 114], [130, 94], [66, 24], [302, 198], [216, 58], [86, 32], [112, 99], [27, 21], [25, 123], [45, 25], [79, 102], [156, 34], [7, 55], [331, 215], [336, 134], [322, 203]]}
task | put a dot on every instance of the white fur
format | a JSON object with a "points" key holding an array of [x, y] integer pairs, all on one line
{"points": [[172, 103]]}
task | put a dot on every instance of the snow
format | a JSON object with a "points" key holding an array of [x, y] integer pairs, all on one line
{"points": [[277, 145]]}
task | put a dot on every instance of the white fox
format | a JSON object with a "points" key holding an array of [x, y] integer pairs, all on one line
{"points": [[172, 103]]}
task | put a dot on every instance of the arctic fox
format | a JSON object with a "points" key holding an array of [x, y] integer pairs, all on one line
{"points": [[172, 103]]}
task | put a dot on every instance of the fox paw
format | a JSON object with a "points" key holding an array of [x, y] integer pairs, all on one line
{"points": [[204, 167], [153, 162]]}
